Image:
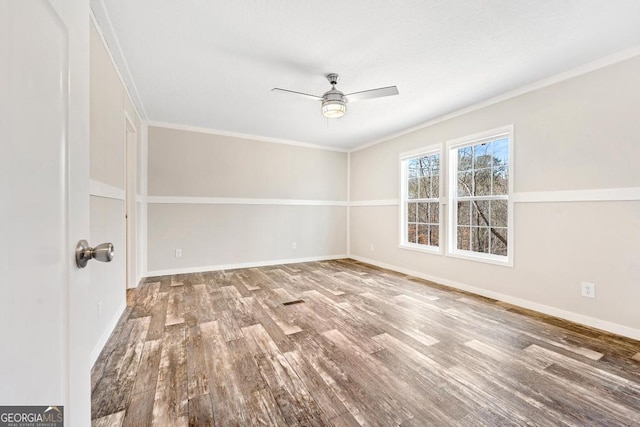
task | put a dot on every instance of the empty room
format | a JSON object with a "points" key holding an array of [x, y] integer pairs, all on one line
{"points": [[393, 213]]}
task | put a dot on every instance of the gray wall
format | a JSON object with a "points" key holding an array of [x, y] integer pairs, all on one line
{"points": [[579, 134], [301, 193]]}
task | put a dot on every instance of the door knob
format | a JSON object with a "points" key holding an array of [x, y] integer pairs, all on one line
{"points": [[103, 252]]}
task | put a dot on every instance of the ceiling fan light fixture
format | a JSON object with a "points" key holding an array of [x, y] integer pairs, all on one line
{"points": [[334, 102], [334, 108]]}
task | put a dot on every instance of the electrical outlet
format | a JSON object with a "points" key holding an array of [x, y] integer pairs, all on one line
{"points": [[99, 310], [371, 248], [588, 290], [294, 245], [178, 253]]}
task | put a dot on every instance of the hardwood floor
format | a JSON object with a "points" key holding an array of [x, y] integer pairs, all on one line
{"points": [[343, 343]]}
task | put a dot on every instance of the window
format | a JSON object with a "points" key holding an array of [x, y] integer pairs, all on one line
{"points": [[420, 204], [480, 203]]}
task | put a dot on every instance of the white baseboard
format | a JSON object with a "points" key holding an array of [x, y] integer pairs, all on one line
{"points": [[542, 308], [107, 333], [203, 268]]}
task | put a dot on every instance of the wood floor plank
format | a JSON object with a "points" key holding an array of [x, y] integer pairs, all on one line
{"points": [[113, 389], [267, 300], [147, 374], [352, 382], [171, 398], [112, 420], [249, 278], [293, 397], [201, 411], [344, 420], [202, 307], [175, 306], [158, 317], [363, 346], [111, 346], [165, 282], [230, 406], [326, 399], [140, 410], [385, 319], [145, 299], [411, 403], [529, 399], [264, 409], [344, 319], [197, 382]]}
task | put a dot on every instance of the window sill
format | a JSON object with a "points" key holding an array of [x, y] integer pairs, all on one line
{"points": [[484, 258], [435, 250]]}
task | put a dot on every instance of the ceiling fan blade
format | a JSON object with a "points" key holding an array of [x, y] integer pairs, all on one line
{"points": [[372, 93], [306, 95]]}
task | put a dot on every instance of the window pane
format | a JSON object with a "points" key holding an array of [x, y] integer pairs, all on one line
{"points": [[434, 235], [464, 235], [499, 241], [411, 233], [500, 176], [412, 168], [500, 149], [482, 182], [423, 212], [465, 186], [499, 213], [411, 212], [465, 158], [480, 239], [435, 165], [480, 212], [434, 213], [424, 166], [423, 237], [412, 188], [425, 187], [435, 186], [464, 213], [482, 156]]}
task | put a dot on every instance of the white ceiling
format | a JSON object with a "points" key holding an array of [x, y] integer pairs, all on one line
{"points": [[212, 63]]}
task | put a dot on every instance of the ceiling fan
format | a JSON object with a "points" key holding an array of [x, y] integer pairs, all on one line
{"points": [[334, 102]]}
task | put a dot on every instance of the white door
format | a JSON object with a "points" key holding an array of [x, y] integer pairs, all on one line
{"points": [[43, 204]]}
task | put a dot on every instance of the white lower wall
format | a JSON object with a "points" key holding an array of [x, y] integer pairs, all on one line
{"points": [[212, 235], [141, 223], [108, 283]]}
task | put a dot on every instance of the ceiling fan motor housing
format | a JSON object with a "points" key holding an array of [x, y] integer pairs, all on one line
{"points": [[333, 104], [333, 95]]}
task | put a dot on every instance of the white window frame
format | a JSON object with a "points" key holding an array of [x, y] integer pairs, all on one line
{"points": [[404, 157], [452, 182]]}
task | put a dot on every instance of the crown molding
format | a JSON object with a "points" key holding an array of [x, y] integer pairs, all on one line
{"points": [[188, 128]]}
